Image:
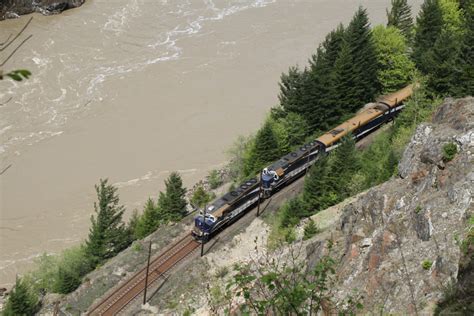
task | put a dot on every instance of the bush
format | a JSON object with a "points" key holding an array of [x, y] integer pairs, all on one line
{"points": [[426, 264], [21, 301], [310, 229], [215, 179], [449, 151], [201, 197]]}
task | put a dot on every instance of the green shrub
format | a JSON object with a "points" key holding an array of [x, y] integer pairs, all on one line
{"points": [[201, 197], [310, 229], [21, 301], [426, 264], [418, 209], [214, 179], [449, 151]]}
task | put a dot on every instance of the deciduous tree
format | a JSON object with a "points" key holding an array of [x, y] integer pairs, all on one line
{"points": [[395, 66]]}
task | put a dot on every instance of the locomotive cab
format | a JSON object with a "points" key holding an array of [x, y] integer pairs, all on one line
{"points": [[204, 224]]}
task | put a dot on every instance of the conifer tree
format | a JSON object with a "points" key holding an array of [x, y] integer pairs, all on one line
{"points": [[322, 110], [344, 165], [107, 235], [21, 301], [429, 25], [400, 17], [466, 57], [172, 203], [265, 149], [365, 85], [343, 82], [201, 197], [149, 221], [443, 68], [67, 280], [317, 192], [292, 90]]}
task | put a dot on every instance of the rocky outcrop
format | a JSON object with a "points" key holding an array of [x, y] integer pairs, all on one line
{"points": [[399, 242], [14, 8]]}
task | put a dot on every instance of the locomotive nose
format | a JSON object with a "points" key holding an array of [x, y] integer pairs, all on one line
{"points": [[267, 180]]}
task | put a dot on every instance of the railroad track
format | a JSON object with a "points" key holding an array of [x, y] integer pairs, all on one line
{"points": [[127, 292]]}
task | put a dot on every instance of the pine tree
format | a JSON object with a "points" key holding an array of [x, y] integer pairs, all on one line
{"points": [[466, 57], [342, 82], [317, 194], [322, 106], [265, 150], [107, 235], [21, 301], [310, 229], [443, 70], [292, 90], [429, 25], [344, 165], [148, 221], [400, 17], [67, 280], [172, 203], [365, 84]]}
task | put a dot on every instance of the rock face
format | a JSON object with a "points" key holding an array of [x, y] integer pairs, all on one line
{"points": [[399, 242], [14, 8]]}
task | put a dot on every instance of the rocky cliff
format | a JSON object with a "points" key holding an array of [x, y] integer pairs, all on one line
{"points": [[399, 243], [14, 8]]}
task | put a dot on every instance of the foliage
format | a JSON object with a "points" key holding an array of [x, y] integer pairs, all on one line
{"points": [[310, 229], [265, 149], [426, 264], [201, 197], [399, 17], [238, 155], [452, 16], [67, 280], [364, 85], [396, 68], [21, 300], [108, 234], [449, 151], [214, 179], [284, 286], [317, 191], [172, 203], [429, 25], [291, 213], [149, 221], [443, 69], [17, 75], [465, 82]]}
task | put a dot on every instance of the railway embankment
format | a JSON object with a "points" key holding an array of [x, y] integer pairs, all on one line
{"points": [[401, 247], [14, 8]]}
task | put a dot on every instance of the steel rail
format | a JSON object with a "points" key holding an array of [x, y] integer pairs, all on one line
{"points": [[128, 291]]}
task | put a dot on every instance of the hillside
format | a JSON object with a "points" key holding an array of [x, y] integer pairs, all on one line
{"points": [[397, 246]]}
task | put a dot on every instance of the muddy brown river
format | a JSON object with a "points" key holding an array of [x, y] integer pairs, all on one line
{"points": [[132, 89]]}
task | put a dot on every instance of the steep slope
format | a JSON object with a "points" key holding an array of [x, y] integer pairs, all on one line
{"points": [[399, 242]]}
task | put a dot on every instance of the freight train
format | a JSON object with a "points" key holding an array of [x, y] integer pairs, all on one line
{"points": [[288, 168]]}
